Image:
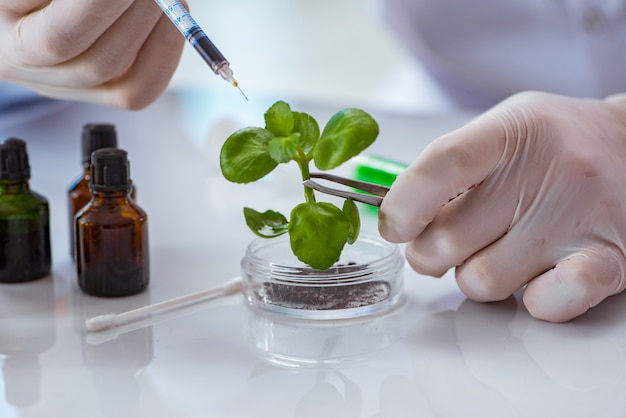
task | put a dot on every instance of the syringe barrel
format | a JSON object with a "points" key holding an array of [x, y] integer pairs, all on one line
{"points": [[177, 13], [207, 49], [183, 21]]}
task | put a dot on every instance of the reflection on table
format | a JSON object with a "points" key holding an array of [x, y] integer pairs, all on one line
{"points": [[438, 355]]}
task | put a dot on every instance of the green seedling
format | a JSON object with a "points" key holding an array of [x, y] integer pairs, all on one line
{"points": [[318, 231]]}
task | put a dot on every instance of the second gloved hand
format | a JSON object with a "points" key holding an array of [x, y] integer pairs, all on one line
{"points": [[532, 193]]}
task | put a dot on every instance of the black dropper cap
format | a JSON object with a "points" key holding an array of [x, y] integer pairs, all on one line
{"points": [[110, 170], [13, 159], [96, 136]]}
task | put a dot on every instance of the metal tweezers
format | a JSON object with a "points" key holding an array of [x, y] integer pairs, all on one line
{"points": [[375, 198]]}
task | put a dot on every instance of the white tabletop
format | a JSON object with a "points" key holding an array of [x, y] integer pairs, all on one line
{"points": [[439, 355]]}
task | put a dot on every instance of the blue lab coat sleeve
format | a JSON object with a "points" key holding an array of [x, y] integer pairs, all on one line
{"points": [[19, 105]]}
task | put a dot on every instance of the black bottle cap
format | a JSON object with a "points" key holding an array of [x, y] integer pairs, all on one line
{"points": [[96, 136], [110, 170], [13, 159]]}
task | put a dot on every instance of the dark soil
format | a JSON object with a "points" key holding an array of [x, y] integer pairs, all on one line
{"points": [[324, 298]]}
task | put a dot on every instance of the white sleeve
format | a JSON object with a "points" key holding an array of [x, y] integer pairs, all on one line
{"points": [[481, 51]]}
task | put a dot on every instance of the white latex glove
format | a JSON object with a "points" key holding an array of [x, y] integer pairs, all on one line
{"points": [[548, 209], [121, 53]]}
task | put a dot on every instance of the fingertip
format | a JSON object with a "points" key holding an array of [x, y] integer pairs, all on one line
{"points": [[401, 216], [389, 227], [559, 302], [573, 287], [423, 264]]}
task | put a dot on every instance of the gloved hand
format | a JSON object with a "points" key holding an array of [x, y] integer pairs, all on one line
{"points": [[121, 53], [533, 192]]}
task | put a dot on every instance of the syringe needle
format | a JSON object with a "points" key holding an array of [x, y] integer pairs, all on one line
{"points": [[241, 91], [227, 74]]}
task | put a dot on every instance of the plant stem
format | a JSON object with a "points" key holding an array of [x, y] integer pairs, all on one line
{"points": [[303, 163]]}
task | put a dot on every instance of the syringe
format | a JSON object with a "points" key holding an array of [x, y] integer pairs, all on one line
{"points": [[181, 18]]}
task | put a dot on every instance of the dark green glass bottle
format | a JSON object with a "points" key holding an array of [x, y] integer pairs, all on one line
{"points": [[112, 255], [24, 218]]}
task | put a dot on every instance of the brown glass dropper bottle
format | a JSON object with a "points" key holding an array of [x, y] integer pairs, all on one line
{"points": [[111, 231], [94, 136], [24, 218]]}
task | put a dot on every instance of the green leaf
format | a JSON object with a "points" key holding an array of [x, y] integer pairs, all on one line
{"points": [[268, 224], [245, 156], [352, 214], [346, 135], [309, 131], [279, 119], [284, 148], [318, 231]]}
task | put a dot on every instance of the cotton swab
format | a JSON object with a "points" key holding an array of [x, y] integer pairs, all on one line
{"points": [[110, 320]]}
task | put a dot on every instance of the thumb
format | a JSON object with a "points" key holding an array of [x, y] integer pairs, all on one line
{"points": [[448, 167]]}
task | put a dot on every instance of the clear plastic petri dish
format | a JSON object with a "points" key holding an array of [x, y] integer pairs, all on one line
{"points": [[368, 279], [300, 344]]}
